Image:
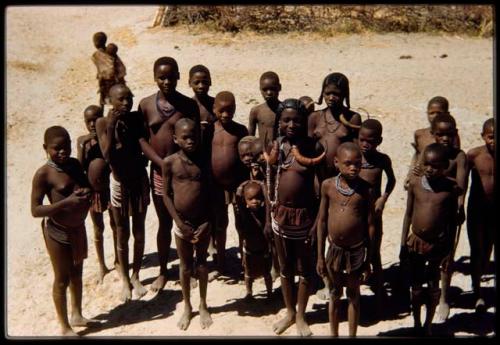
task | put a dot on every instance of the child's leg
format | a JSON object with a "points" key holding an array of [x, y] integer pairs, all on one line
{"points": [[268, 280], [61, 259], [220, 231], [473, 232], [334, 305], [353, 295], [286, 277], [377, 266], [75, 287], [202, 270], [185, 252], [97, 221], [433, 292], [112, 224], [122, 237], [163, 240], [138, 222], [248, 285], [304, 264], [417, 278], [446, 274]]}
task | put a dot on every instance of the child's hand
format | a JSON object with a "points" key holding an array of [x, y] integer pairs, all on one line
{"points": [[186, 230], [320, 267], [367, 271], [77, 199], [417, 170], [200, 232], [380, 204]]}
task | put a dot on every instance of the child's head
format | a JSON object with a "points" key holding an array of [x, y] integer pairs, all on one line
{"points": [[335, 90], [488, 134], [112, 49], [292, 118], [90, 116], [57, 144], [166, 74], [348, 160], [436, 105], [185, 135], [435, 161], [254, 195], [270, 86], [121, 98], [99, 39], [444, 129], [200, 80], [370, 135], [308, 103], [224, 107], [246, 150]]}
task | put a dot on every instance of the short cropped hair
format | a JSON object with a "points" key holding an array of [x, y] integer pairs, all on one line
{"points": [[184, 122], [97, 109], [439, 150], [270, 75], [373, 125], [490, 123], [439, 100], [348, 146], [99, 38], [225, 96], [198, 69], [55, 132], [166, 60], [446, 118]]}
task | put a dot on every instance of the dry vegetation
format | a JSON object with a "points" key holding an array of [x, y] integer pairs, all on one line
{"points": [[475, 20]]}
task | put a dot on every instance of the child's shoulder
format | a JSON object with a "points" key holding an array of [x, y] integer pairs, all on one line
{"points": [[148, 99], [422, 131]]}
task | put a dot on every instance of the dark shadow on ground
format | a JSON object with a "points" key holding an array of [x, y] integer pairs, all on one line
{"points": [[151, 259], [136, 311]]}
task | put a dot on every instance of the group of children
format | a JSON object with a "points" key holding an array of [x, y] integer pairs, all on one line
{"points": [[308, 176]]}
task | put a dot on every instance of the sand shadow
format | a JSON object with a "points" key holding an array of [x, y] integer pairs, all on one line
{"points": [[136, 311], [151, 259]]}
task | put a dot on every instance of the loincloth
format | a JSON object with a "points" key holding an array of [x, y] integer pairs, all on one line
{"points": [[290, 222], [340, 259], [435, 251], [256, 264], [178, 232], [100, 201], [157, 183], [76, 237], [129, 200]]}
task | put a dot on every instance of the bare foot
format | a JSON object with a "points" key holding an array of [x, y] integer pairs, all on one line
{"points": [[159, 283], [183, 323], [248, 298], [126, 293], [139, 289], [80, 321], [102, 272], [213, 275], [303, 329], [443, 312], [480, 306], [193, 282], [323, 294], [68, 332], [280, 326], [205, 318]]}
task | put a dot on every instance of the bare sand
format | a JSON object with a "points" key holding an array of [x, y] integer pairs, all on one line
{"points": [[51, 79]]}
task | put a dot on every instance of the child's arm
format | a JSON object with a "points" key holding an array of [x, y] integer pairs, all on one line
{"points": [[149, 152], [252, 121], [389, 187], [462, 172], [40, 188], [408, 216], [105, 128], [322, 228], [370, 236], [167, 197]]}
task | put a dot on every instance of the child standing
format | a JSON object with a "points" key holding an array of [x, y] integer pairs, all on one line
{"points": [[346, 216], [97, 170], [480, 210], [373, 164], [185, 196], [64, 183], [293, 209]]}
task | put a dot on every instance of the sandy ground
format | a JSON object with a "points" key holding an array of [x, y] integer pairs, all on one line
{"points": [[51, 79]]}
